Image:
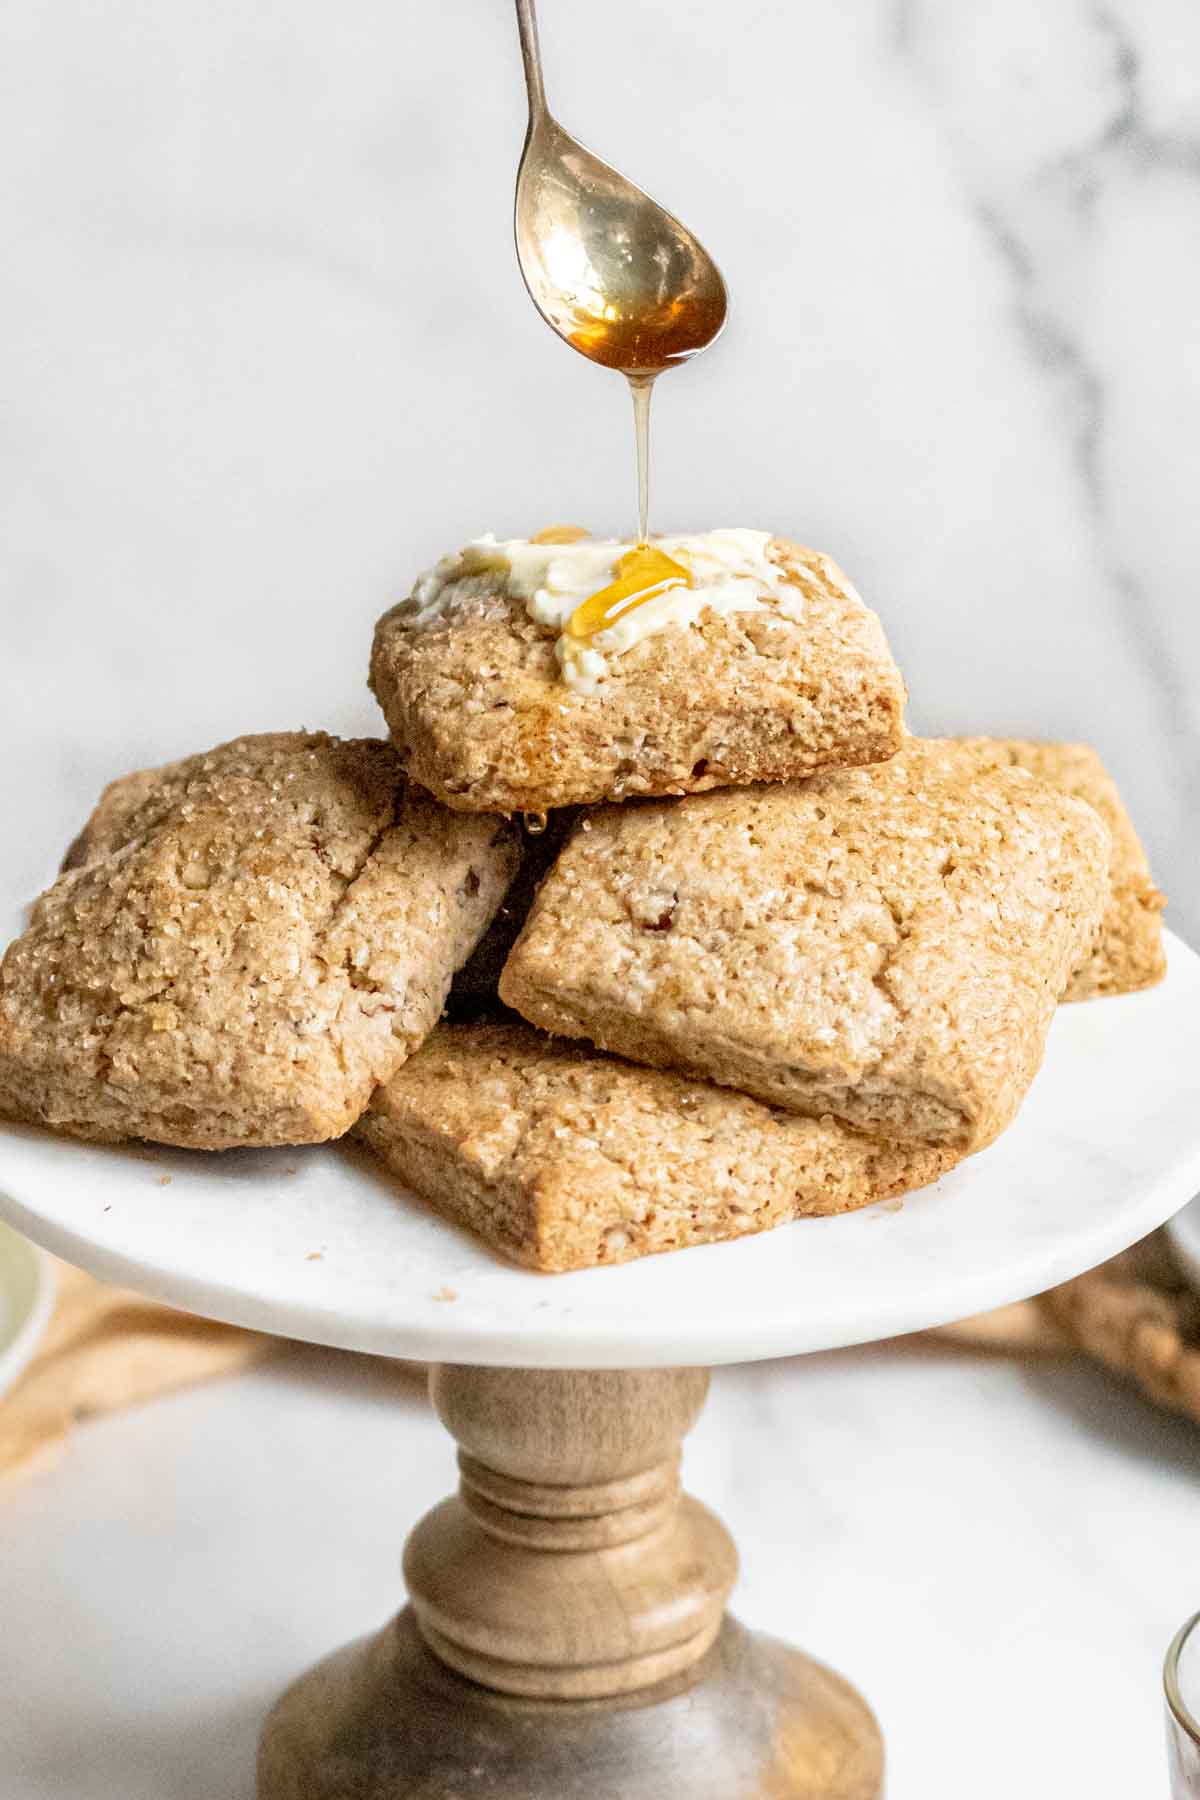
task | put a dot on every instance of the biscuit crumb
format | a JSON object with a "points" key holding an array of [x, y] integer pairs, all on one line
{"points": [[446, 1293], [315, 1256], [164, 1180]]}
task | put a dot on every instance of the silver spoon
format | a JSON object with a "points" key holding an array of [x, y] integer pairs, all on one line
{"points": [[612, 272]]}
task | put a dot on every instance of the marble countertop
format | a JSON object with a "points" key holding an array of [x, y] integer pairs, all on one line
{"points": [[996, 1553], [265, 354]]}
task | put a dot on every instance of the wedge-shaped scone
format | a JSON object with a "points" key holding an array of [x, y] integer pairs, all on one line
{"points": [[883, 945], [248, 943], [1129, 950], [563, 1158], [783, 673]]}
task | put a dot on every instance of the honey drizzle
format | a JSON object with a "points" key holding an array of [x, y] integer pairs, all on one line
{"points": [[640, 346], [640, 575], [642, 387]]}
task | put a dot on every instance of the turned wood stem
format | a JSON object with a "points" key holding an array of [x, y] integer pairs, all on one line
{"points": [[569, 1565], [567, 1638]]}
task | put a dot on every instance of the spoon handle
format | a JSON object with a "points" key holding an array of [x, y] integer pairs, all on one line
{"points": [[531, 56]]}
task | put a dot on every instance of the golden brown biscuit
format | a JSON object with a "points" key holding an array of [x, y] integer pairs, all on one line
{"points": [[563, 1159], [1129, 950], [481, 716], [884, 945], [252, 940]]}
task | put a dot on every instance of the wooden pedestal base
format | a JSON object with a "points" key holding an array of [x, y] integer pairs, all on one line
{"points": [[754, 1720], [567, 1638]]}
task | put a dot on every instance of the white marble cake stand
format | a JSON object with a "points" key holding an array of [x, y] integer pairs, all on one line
{"points": [[566, 1637]]}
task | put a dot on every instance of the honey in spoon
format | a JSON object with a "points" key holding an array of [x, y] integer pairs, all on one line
{"points": [[612, 272]]}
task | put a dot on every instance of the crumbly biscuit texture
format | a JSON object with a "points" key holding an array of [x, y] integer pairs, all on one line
{"points": [[883, 945], [249, 942], [564, 1159], [1128, 953], [481, 716]]}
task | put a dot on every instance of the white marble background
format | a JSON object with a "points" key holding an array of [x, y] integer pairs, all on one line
{"points": [[263, 354], [264, 351]]}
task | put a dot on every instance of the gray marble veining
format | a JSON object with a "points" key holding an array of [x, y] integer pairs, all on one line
{"points": [[265, 353], [1090, 173]]}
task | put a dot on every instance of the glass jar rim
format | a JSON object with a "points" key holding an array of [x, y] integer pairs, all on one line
{"points": [[1179, 1709]]}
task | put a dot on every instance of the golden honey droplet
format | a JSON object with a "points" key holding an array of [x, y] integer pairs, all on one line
{"points": [[641, 575], [561, 534], [534, 823]]}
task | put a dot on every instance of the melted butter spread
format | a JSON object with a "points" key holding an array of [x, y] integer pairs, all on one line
{"points": [[602, 596]]}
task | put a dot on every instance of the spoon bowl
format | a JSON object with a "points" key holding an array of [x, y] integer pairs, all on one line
{"points": [[617, 276], [612, 272]]}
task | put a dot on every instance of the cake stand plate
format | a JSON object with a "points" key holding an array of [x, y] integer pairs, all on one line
{"points": [[321, 1244], [566, 1637]]}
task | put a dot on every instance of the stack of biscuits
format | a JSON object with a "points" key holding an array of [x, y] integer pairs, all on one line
{"points": [[711, 946]]}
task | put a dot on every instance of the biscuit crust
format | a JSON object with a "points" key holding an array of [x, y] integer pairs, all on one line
{"points": [[1128, 953], [480, 715], [565, 1159], [247, 943], [886, 946]]}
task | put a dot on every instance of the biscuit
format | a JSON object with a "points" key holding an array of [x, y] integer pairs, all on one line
{"points": [[480, 714], [1129, 950], [883, 945], [563, 1159], [249, 942]]}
